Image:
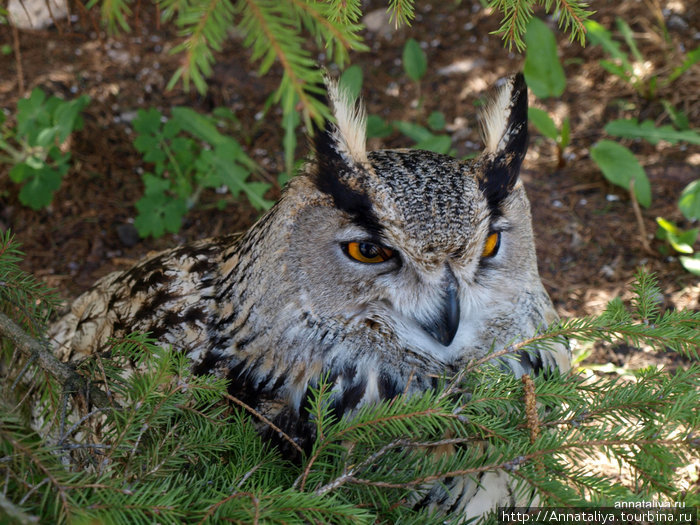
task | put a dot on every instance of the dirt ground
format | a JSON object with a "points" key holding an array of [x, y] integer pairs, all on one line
{"points": [[588, 240]]}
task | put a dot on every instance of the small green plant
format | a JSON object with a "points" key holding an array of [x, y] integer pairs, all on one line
{"points": [[415, 64], [618, 163], [34, 147], [431, 136], [545, 77], [682, 241], [630, 66], [621, 167], [188, 154]]}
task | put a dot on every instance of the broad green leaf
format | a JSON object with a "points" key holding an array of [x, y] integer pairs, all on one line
{"points": [[692, 264], [170, 129], [689, 202], [543, 71], [414, 61], [147, 122], [630, 128], [200, 126], [32, 114], [158, 213], [234, 176], [38, 190], [46, 137], [154, 185], [413, 131], [436, 121], [67, 117], [351, 81], [620, 166], [437, 143], [377, 127], [20, 171], [543, 122]]}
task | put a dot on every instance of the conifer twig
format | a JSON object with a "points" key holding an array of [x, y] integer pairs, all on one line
{"points": [[33, 349]]}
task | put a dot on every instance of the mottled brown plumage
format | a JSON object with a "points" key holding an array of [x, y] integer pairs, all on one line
{"points": [[383, 269]]}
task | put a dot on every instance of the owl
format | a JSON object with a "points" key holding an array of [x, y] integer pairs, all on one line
{"points": [[380, 270]]}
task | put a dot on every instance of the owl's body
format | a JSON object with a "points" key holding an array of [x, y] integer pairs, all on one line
{"points": [[385, 270]]}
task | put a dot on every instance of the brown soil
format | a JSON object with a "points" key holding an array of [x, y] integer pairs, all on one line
{"points": [[589, 242]]}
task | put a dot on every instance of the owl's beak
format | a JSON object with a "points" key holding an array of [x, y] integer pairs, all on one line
{"points": [[444, 327]]}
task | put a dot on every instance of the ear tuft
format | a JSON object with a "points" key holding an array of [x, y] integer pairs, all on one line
{"points": [[348, 134], [504, 119], [504, 126]]}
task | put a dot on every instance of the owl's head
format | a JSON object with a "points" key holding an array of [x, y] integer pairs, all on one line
{"points": [[429, 251]]}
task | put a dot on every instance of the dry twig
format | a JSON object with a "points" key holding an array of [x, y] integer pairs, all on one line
{"points": [[33, 349]]}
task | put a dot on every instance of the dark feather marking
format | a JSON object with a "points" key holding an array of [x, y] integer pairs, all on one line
{"points": [[353, 202], [350, 397], [240, 384], [531, 360], [387, 386], [193, 314], [203, 266], [148, 309], [206, 365]]}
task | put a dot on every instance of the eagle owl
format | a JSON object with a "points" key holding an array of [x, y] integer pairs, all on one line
{"points": [[382, 270]]}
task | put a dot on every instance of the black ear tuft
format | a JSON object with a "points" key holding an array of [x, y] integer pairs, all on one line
{"points": [[504, 125]]}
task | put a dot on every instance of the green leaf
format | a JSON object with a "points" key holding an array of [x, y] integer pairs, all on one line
{"points": [[32, 114], [626, 32], [620, 166], [351, 81], [377, 127], [20, 171], [436, 121], [543, 122], [46, 137], [679, 119], [67, 117], [413, 131], [597, 34], [692, 58], [543, 71], [689, 202], [200, 126], [565, 136], [234, 175], [158, 211], [414, 61], [630, 128], [38, 190], [437, 143], [619, 71], [692, 264], [147, 122], [682, 241]]}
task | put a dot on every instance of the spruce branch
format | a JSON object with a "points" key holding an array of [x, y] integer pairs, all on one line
{"points": [[34, 350]]}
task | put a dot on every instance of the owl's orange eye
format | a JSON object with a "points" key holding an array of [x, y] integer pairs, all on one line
{"points": [[367, 252], [493, 242]]}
